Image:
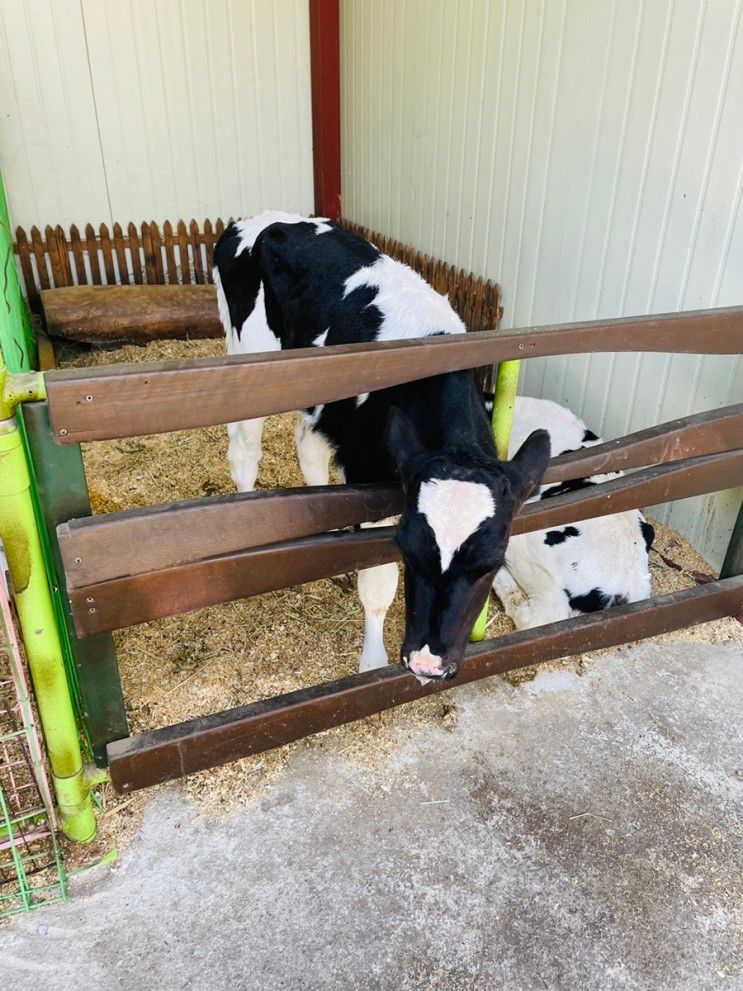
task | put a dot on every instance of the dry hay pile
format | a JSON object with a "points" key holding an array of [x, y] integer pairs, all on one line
{"points": [[231, 654]]}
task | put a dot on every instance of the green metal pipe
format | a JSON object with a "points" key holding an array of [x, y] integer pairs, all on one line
{"points": [[506, 387], [43, 649], [504, 401]]}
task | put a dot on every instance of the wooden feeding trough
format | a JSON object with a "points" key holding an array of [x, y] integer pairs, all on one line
{"points": [[129, 567]]}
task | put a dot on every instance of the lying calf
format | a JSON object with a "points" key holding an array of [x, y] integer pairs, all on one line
{"points": [[550, 575]]}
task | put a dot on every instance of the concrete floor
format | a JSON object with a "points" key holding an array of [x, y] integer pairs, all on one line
{"points": [[578, 832]]}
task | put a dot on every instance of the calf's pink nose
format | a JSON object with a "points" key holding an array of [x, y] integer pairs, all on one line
{"points": [[424, 663]]}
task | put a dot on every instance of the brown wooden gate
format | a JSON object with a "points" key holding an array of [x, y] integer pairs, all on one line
{"points": [[126, 568]]}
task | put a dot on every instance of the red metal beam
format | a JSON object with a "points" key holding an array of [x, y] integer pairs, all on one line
{"points": [[326, 106]]}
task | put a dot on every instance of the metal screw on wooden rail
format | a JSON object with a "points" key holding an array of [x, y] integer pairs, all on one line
{"points": [[63, 432], [88, 399], [78, 560]]}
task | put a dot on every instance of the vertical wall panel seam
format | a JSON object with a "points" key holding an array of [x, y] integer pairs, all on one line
{"points": [[471, 265], [550, 148], [529, 148], [666, 209], [486, 247], [388, 154], [16, 102], [422, 151], [189, 102], [355, 116], [594, 154], [441, 245], [646, 156], [439, 104], [712, 147], [681, 133], [235, 107], [564, 364], [462, 158], [210, 85], [517, 76], [371, 171], [728, 239], [543, 365], [96, 111], [277, 91], [45, 117], [138, 64], [380, 27], [635, 221], [400, 113], [592, 361], [168, 127], [619, 164], [259, 123], [635, 375]]}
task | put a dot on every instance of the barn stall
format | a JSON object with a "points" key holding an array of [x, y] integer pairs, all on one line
{"points": [[186, 666]]}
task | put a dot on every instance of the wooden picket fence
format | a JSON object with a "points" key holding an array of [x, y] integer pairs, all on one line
{"points": [[181, 254]]}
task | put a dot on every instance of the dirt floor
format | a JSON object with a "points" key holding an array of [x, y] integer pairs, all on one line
{"points": [[231, 654]]}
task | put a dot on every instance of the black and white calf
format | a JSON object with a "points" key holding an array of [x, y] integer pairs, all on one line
{"points": [[285, 281], [288, 282], [551, 575]]}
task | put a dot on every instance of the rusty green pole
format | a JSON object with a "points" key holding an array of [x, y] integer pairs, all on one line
{"points": [[22, 545], [504, 401], [33, 601]]}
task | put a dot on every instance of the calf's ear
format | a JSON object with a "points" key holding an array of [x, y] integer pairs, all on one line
{"points": [[402, 441], [530, 463]]}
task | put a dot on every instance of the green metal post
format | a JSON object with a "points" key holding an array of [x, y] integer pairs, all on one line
{"points": [[59, 477], [20, 537], [504, 400], [43, 648], [506, 387]]}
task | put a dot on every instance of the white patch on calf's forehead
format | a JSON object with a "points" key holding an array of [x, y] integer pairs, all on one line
{"points": [[454, 510]]}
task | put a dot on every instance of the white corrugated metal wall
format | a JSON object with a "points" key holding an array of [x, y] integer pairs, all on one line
{"points": [[588, 155], [154, 109]]}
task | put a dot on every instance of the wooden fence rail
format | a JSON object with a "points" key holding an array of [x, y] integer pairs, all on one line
{"points": [[181, 254], [98, 549], [86, 403], [207, 741], [249, 570]]}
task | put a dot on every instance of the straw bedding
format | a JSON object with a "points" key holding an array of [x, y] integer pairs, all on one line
{"points": [[231, 654]]}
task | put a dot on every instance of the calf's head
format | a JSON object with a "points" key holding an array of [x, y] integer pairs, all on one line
{"points": [[459, 507]]}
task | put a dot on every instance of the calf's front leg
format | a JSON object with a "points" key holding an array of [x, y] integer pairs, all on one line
{"points": [[244, 452], [313, 452], [377, 587]]}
